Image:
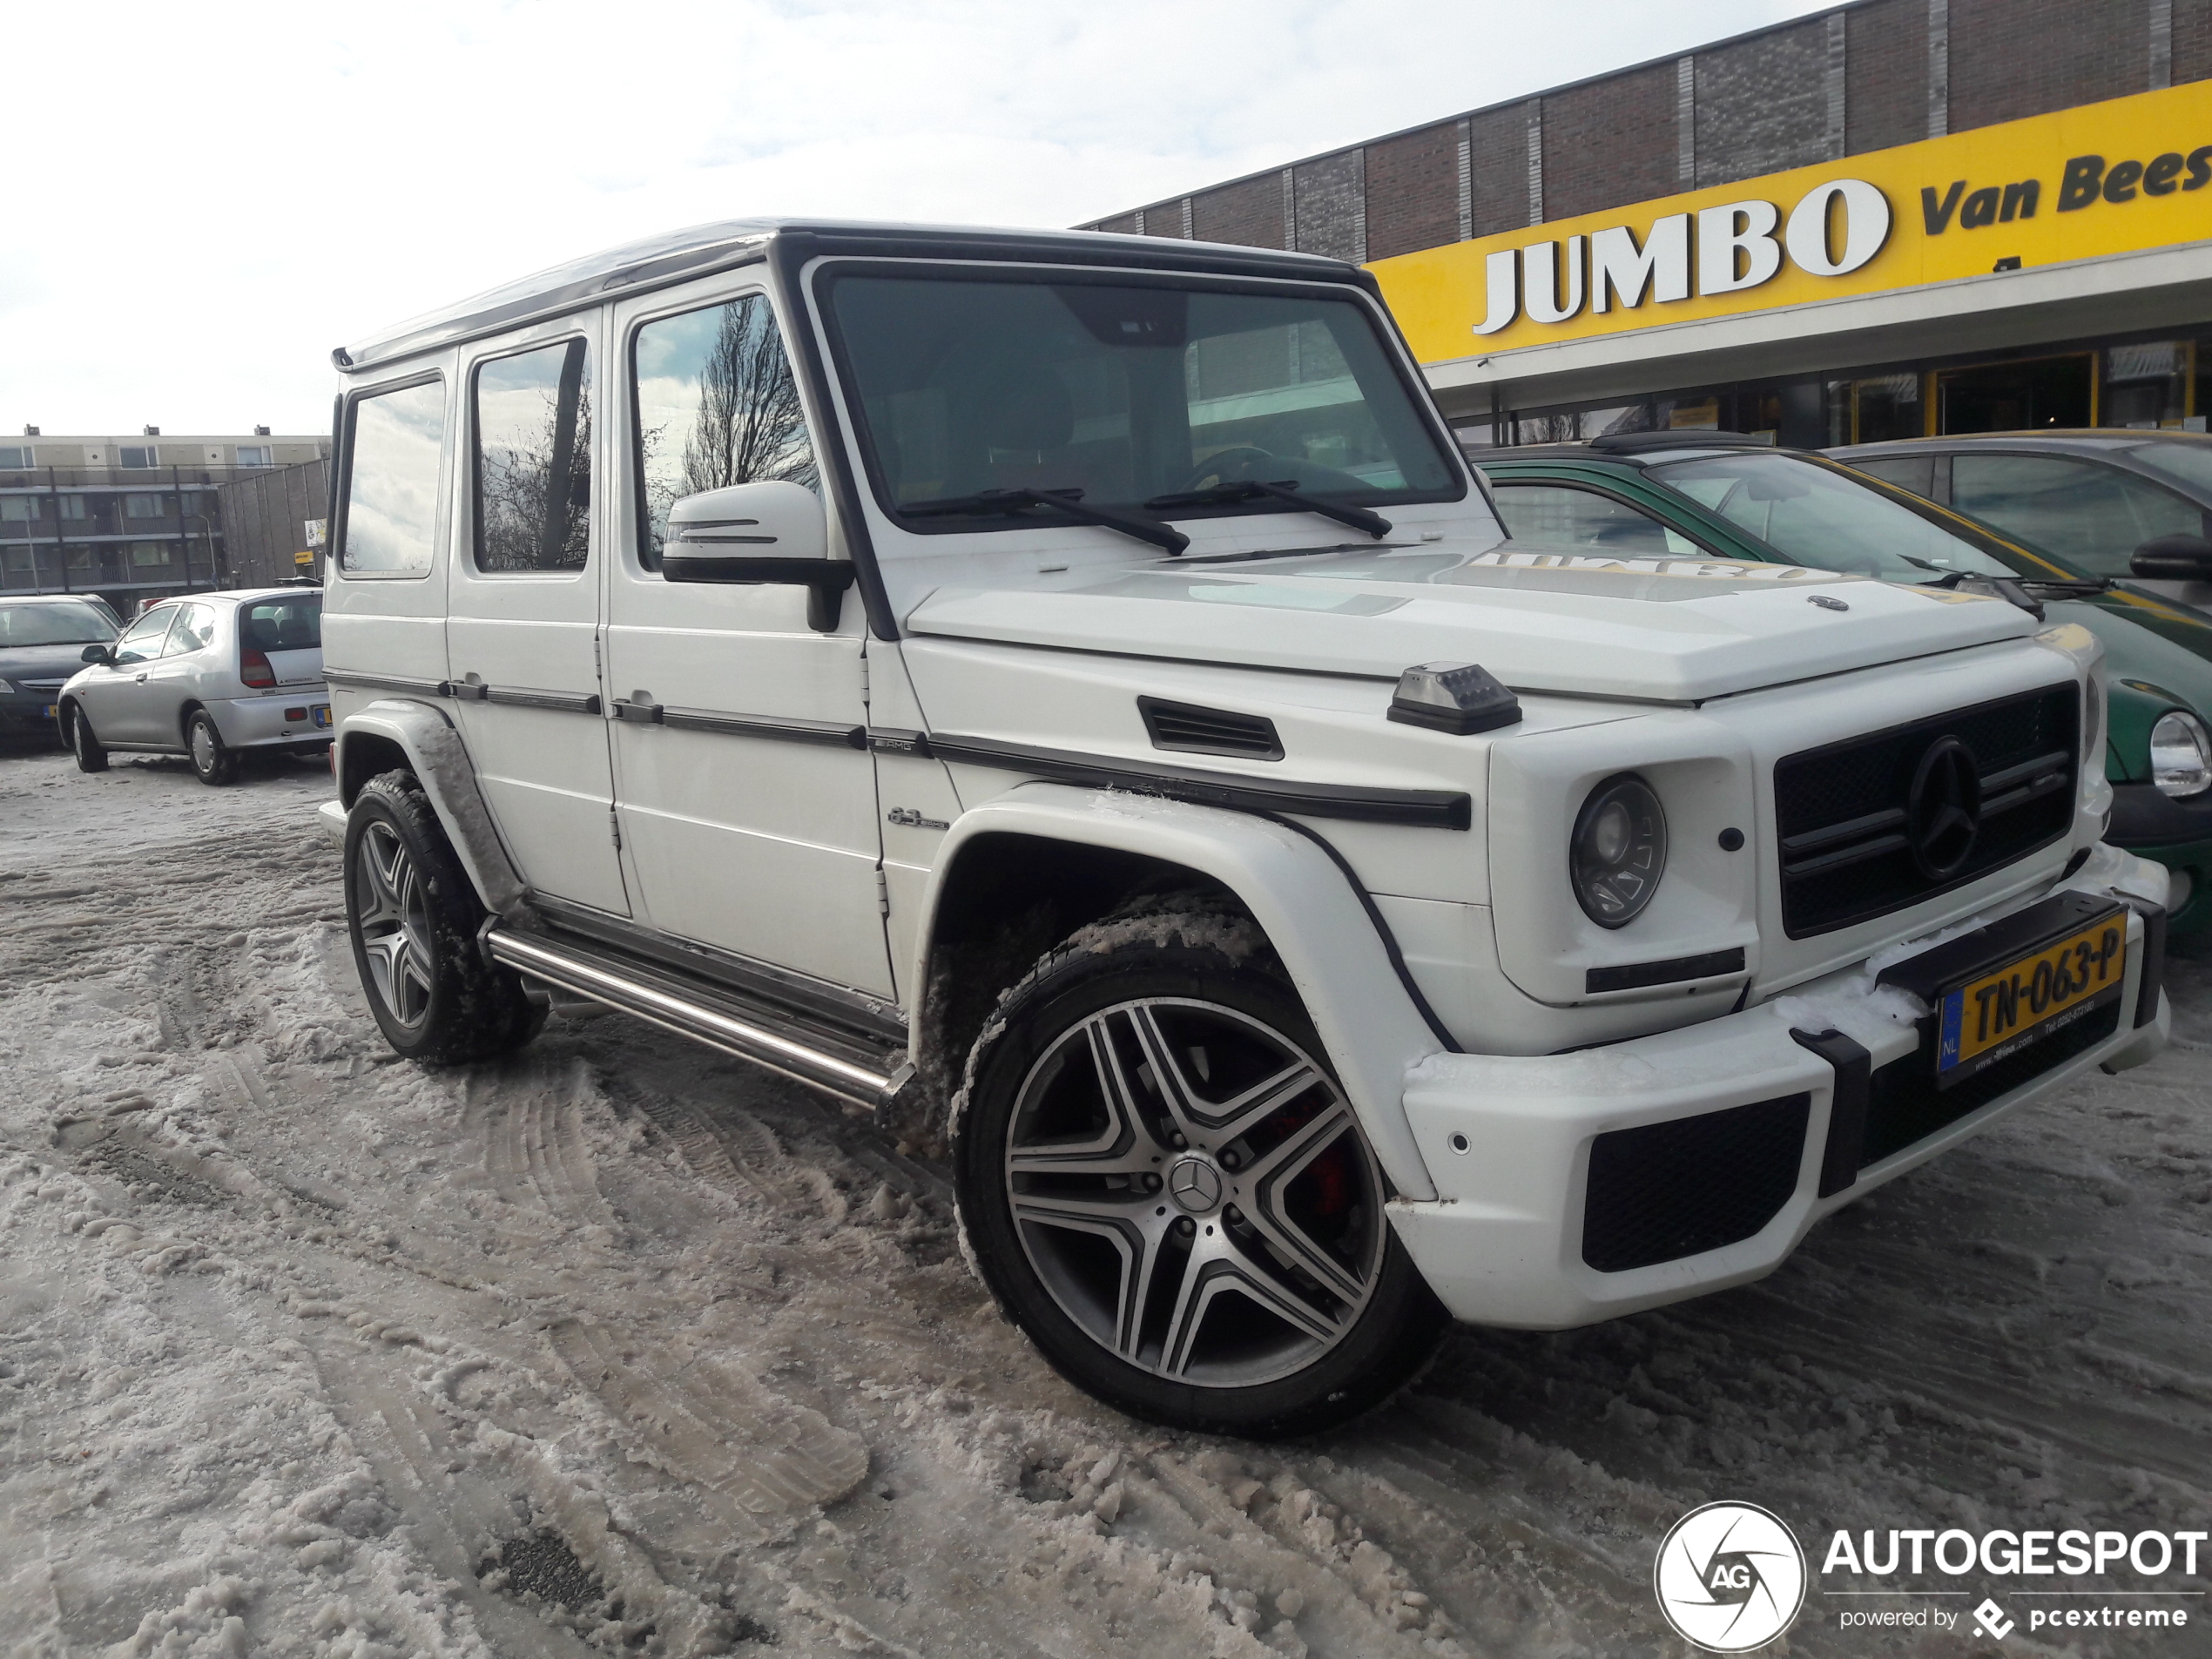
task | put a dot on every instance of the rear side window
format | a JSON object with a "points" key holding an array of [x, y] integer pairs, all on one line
{"points": [[533, 459], [391, 503], [1559, 515], [282, 625], [1915, 473], [717, 406]]}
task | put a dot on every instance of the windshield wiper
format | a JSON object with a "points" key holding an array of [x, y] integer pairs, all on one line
{"points": [[1069, 501], [1252, 489], [2001, 587]]}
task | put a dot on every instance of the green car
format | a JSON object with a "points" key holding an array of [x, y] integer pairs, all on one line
{"points": [[1714, 494]]}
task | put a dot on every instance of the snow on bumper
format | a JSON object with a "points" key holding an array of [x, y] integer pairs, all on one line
{"points": [[330, 818], [1510, 1140]]}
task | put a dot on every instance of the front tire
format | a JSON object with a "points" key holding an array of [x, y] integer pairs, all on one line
{"points": [[1161, 1180], [212, 762], [414, 918], [90, 757]]}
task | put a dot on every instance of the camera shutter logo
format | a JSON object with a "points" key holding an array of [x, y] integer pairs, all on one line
{"points": [[1730, 1577]]}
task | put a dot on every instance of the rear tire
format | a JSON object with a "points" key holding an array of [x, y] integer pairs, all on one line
{"points": [[1163, 1182], [213, 763], [90, 757], [414, 918]]}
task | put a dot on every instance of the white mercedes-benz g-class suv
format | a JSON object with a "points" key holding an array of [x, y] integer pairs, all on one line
{"points": [[1068, 694]]}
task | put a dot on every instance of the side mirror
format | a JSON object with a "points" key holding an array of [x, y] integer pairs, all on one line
{"points": [[2173, 558], [770, 533], [99, 654]]}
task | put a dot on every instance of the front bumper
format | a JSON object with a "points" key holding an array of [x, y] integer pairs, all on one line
{"points": [[29, 711], [281, 719], [2178, 833], [1510, 1140]]}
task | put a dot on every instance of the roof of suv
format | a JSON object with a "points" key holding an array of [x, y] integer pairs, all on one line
{"points": [[677, 256], [2062, 440]]}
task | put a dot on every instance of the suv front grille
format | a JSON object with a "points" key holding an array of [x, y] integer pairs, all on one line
{"points": [[1846, 816]]}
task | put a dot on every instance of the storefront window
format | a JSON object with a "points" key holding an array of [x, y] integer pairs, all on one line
{"points": [[2020, 396], [2146, 386], [1887, 405]]}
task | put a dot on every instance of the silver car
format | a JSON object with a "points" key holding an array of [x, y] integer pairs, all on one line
{"points": [[209, 676]]}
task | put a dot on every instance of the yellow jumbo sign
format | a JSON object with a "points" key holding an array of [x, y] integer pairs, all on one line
{"points": [[2104, 179]]}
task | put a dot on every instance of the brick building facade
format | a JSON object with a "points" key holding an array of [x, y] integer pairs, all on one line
{"points": [[1862, 76]]}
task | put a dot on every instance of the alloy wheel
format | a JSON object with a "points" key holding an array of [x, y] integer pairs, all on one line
{"points": [[1192, 1191], [395, 925]]}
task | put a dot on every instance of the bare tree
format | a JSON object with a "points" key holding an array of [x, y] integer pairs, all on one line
{"points": [[535, 494], [750, 425]]}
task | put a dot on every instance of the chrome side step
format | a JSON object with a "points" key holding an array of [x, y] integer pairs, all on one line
{"points": [[745, 1030]]}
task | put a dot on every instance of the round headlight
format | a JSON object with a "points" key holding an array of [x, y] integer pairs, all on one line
{"points": [[1619, 850], [2180, 755]]}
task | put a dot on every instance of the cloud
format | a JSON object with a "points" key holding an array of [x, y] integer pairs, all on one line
{"points": [[241, 190]]}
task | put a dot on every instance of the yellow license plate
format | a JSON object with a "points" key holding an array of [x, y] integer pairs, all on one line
{"points": [[1994, 1016]]}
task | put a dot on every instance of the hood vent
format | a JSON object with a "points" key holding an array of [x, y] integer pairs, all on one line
{"points": [[1188, 729]]}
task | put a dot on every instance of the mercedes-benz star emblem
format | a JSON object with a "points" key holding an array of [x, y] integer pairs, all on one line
{"points": [[1943, 811], [1195, 1185]]}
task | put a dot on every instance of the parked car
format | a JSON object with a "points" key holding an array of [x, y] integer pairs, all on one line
{"points": [[42, 643], [1077, 700], [1721, 494], [211, 676], [2120, 503]]}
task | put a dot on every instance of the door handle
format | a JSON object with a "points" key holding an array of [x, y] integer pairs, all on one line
{"points": [[141, 679]]}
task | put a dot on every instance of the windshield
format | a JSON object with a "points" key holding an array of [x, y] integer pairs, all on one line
{"points": [[73, 623], [1124, 393], [2187, 464], [1813, 515]]}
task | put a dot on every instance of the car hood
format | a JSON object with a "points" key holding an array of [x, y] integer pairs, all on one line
{"points": [[42, 662], [1540, 618]]}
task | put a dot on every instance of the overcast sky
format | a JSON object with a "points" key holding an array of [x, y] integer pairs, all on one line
{"points": [[203, 200]]}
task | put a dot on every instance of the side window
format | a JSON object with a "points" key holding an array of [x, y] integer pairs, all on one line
{"points": [[2093, 515], [716, 405], [1563, 517], [195, 628], [390, 494], [1915, 473], [533, 459], [142, 643]]}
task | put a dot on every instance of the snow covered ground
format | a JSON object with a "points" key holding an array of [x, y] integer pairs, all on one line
{"points": [[622, 1346]]}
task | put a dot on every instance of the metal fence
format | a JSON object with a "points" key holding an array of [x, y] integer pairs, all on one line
{"points": [[265, 518]]}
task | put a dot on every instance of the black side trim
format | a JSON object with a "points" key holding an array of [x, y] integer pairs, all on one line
{"points": [[832, 733], [1382, 931], [835, 1011], [2153, 971], [1421, 808], [1854, 1070], [1635, 976], [889, 741], [384, 683], [523, 697]]}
